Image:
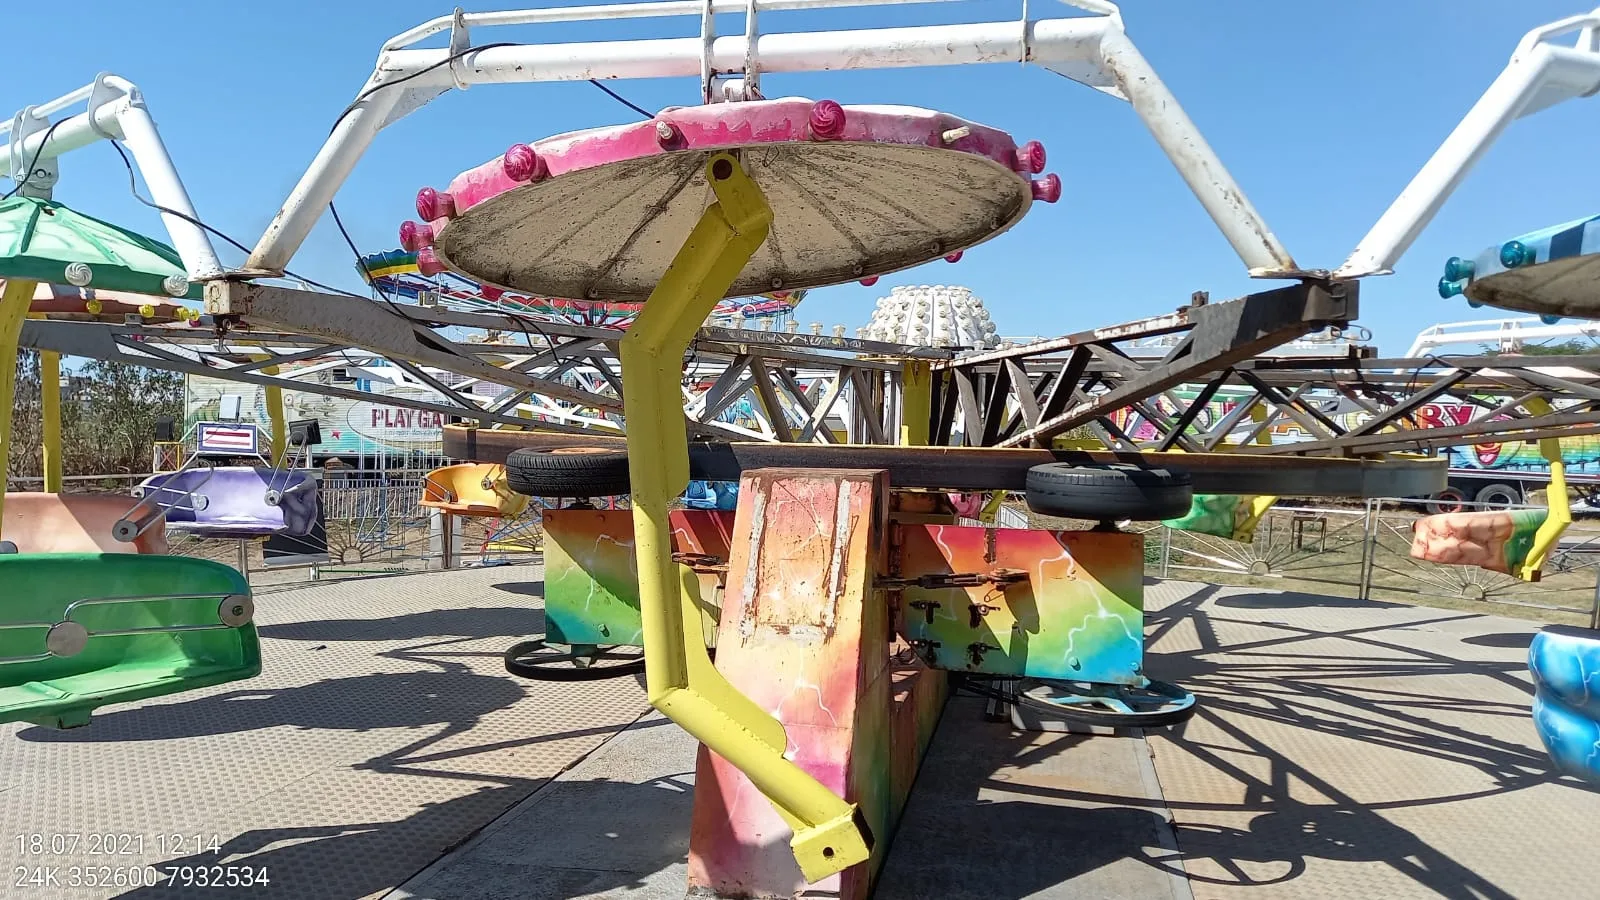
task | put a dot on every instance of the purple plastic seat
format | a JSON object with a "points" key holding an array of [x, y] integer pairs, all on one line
{"points": [[235, 501]]}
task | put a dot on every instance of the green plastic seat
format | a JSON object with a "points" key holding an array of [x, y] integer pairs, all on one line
{"points": [[83, 630]]}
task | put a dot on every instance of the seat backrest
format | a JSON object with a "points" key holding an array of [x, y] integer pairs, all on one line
{"points": [[73, 523]]}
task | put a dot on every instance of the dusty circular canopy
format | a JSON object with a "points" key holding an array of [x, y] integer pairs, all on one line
{"points": [[1562, 287], [48, 242], [855, 191]]}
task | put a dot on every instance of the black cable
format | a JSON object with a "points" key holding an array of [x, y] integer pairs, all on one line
{"points": [[28, 172], [133, 188], [623, 100], [417, 74]]}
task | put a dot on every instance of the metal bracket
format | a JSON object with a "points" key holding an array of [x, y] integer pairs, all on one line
{"points": [[979, 610], [927, 607], [977, 649], [33, 177], [702, 562], [460, 42], [102, 92], [999, 577]]}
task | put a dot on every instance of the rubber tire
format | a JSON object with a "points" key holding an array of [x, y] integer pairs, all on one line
{"points": [[552, 671], [1449, 500], [568, 472], [1109, 493], [1487, 499], [1084, 716]]}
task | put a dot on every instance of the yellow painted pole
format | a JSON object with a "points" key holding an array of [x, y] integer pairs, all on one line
{"points": [[680, 678], [916, 402], [1557, 499], [275, 417], [14, 301], [50, 407]]}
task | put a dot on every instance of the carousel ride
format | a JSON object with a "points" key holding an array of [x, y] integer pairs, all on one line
{"points": [[655, 223]]}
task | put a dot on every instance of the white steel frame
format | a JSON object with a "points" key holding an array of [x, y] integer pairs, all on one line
{"points": [[1540, 75], [114, 110], [1093, 50]]}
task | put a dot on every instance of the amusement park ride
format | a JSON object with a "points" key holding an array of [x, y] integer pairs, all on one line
{"points": [[841, 592]]}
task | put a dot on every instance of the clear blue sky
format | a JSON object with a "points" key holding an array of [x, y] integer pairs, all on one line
{"points": [[1322, 110]]}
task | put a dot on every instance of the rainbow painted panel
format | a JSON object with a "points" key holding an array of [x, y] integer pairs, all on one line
{"points": [[1078, 616], [591, 581], [1565, 663], [591, 578]]}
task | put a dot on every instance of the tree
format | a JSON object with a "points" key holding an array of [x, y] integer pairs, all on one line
{"points": [[1573, 347], [108, 417], [116, 412]]}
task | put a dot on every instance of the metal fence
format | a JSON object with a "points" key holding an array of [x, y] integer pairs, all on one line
{"points": [[375, 525], [1364, 552]]}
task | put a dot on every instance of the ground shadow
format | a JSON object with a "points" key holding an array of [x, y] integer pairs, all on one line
{"points": [[459, 697], [523, 588], [471, 622], [345, 861], [1381, 691], [1511, 640], [958, 844], [1292, 600]]}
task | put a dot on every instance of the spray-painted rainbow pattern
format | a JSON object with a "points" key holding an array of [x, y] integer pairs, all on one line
{"points": [[1079, 614]]}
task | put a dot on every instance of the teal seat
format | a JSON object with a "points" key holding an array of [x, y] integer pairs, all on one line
{"points": [[83, 630]]}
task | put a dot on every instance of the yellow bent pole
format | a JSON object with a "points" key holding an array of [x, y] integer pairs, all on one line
{"points": [[275, 415], [1557, 499], [15, 298], [681, 680], [50, 409]]}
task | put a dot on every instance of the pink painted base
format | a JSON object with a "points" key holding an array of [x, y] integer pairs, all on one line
{"points": [[806, 637]]}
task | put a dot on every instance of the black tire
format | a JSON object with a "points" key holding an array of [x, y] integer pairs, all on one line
{"points": [[537, 662], [1449, 500], [1498, 496], [1161, 705], [1108, 493], [568, 472]]}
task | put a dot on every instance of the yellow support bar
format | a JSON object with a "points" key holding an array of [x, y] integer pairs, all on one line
{"points": [[1557, 499], [14, 301], [275, 416], [681, 680], [916, 402], [50, 408]]}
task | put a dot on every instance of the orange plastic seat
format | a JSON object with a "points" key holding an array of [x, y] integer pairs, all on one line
{"points": [[472, 489]]}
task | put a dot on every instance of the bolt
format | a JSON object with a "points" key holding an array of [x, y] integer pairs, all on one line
{"points": [[826, 121], [869, 281], [522, 164], [415, 235], [953, 257], [428, 262], [668, 135], [432, 204], [1047, 188], [1030, 158]]}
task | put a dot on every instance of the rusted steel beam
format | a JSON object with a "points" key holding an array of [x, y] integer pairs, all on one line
{"points": [[1224, 334], [995, 469]]}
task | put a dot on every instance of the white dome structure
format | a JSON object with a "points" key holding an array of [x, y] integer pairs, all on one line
{"points": [[932, 316]]}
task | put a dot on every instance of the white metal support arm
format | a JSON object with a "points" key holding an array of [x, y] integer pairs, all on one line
{"points": [[1540, 75], [1093, 50], [114, 110]]}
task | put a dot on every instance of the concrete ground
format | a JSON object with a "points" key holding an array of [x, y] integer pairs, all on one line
{"points": [[1342, 748]]}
